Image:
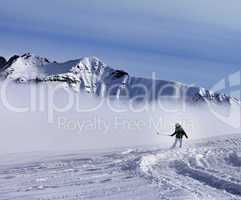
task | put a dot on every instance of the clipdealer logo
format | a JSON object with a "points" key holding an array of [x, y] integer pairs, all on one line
{"points": [[232, 115]]}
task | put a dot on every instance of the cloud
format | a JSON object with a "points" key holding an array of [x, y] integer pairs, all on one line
{"points": [[195, 31], [43, 118]]}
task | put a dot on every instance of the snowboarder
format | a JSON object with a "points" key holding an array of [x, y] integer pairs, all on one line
{"points": [[179, 133]]}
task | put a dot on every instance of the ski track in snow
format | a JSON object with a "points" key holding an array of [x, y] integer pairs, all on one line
{"points": [[207, 169]]}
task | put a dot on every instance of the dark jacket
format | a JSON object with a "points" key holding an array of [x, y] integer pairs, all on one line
{"points": [[179, 132]]}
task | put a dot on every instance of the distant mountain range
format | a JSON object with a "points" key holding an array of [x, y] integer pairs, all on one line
{"points": [[91, 75]]}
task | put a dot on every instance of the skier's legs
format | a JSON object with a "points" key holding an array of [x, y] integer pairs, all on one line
{"points": [[180, 142], [174, 144]]}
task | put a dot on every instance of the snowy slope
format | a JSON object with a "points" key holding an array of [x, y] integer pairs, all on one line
{"points": [[207, 169], [93, 76], [25, 67]]}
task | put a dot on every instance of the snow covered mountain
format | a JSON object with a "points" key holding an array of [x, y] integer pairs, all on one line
{"points": [[93, 76]]}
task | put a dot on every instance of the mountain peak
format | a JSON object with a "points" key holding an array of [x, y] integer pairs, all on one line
{"points": [[25, 67], [27, 55], [3, 61], [89, 64], [30, 56]]}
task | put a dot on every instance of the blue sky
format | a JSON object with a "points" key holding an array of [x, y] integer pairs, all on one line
{"points": [[195, 42]]}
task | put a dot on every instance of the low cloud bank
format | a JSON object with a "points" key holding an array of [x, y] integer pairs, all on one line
{"points": [[40, 120]]}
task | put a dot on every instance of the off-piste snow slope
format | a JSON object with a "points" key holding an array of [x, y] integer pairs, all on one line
{"points": [[206, 169], [93, 76]]}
